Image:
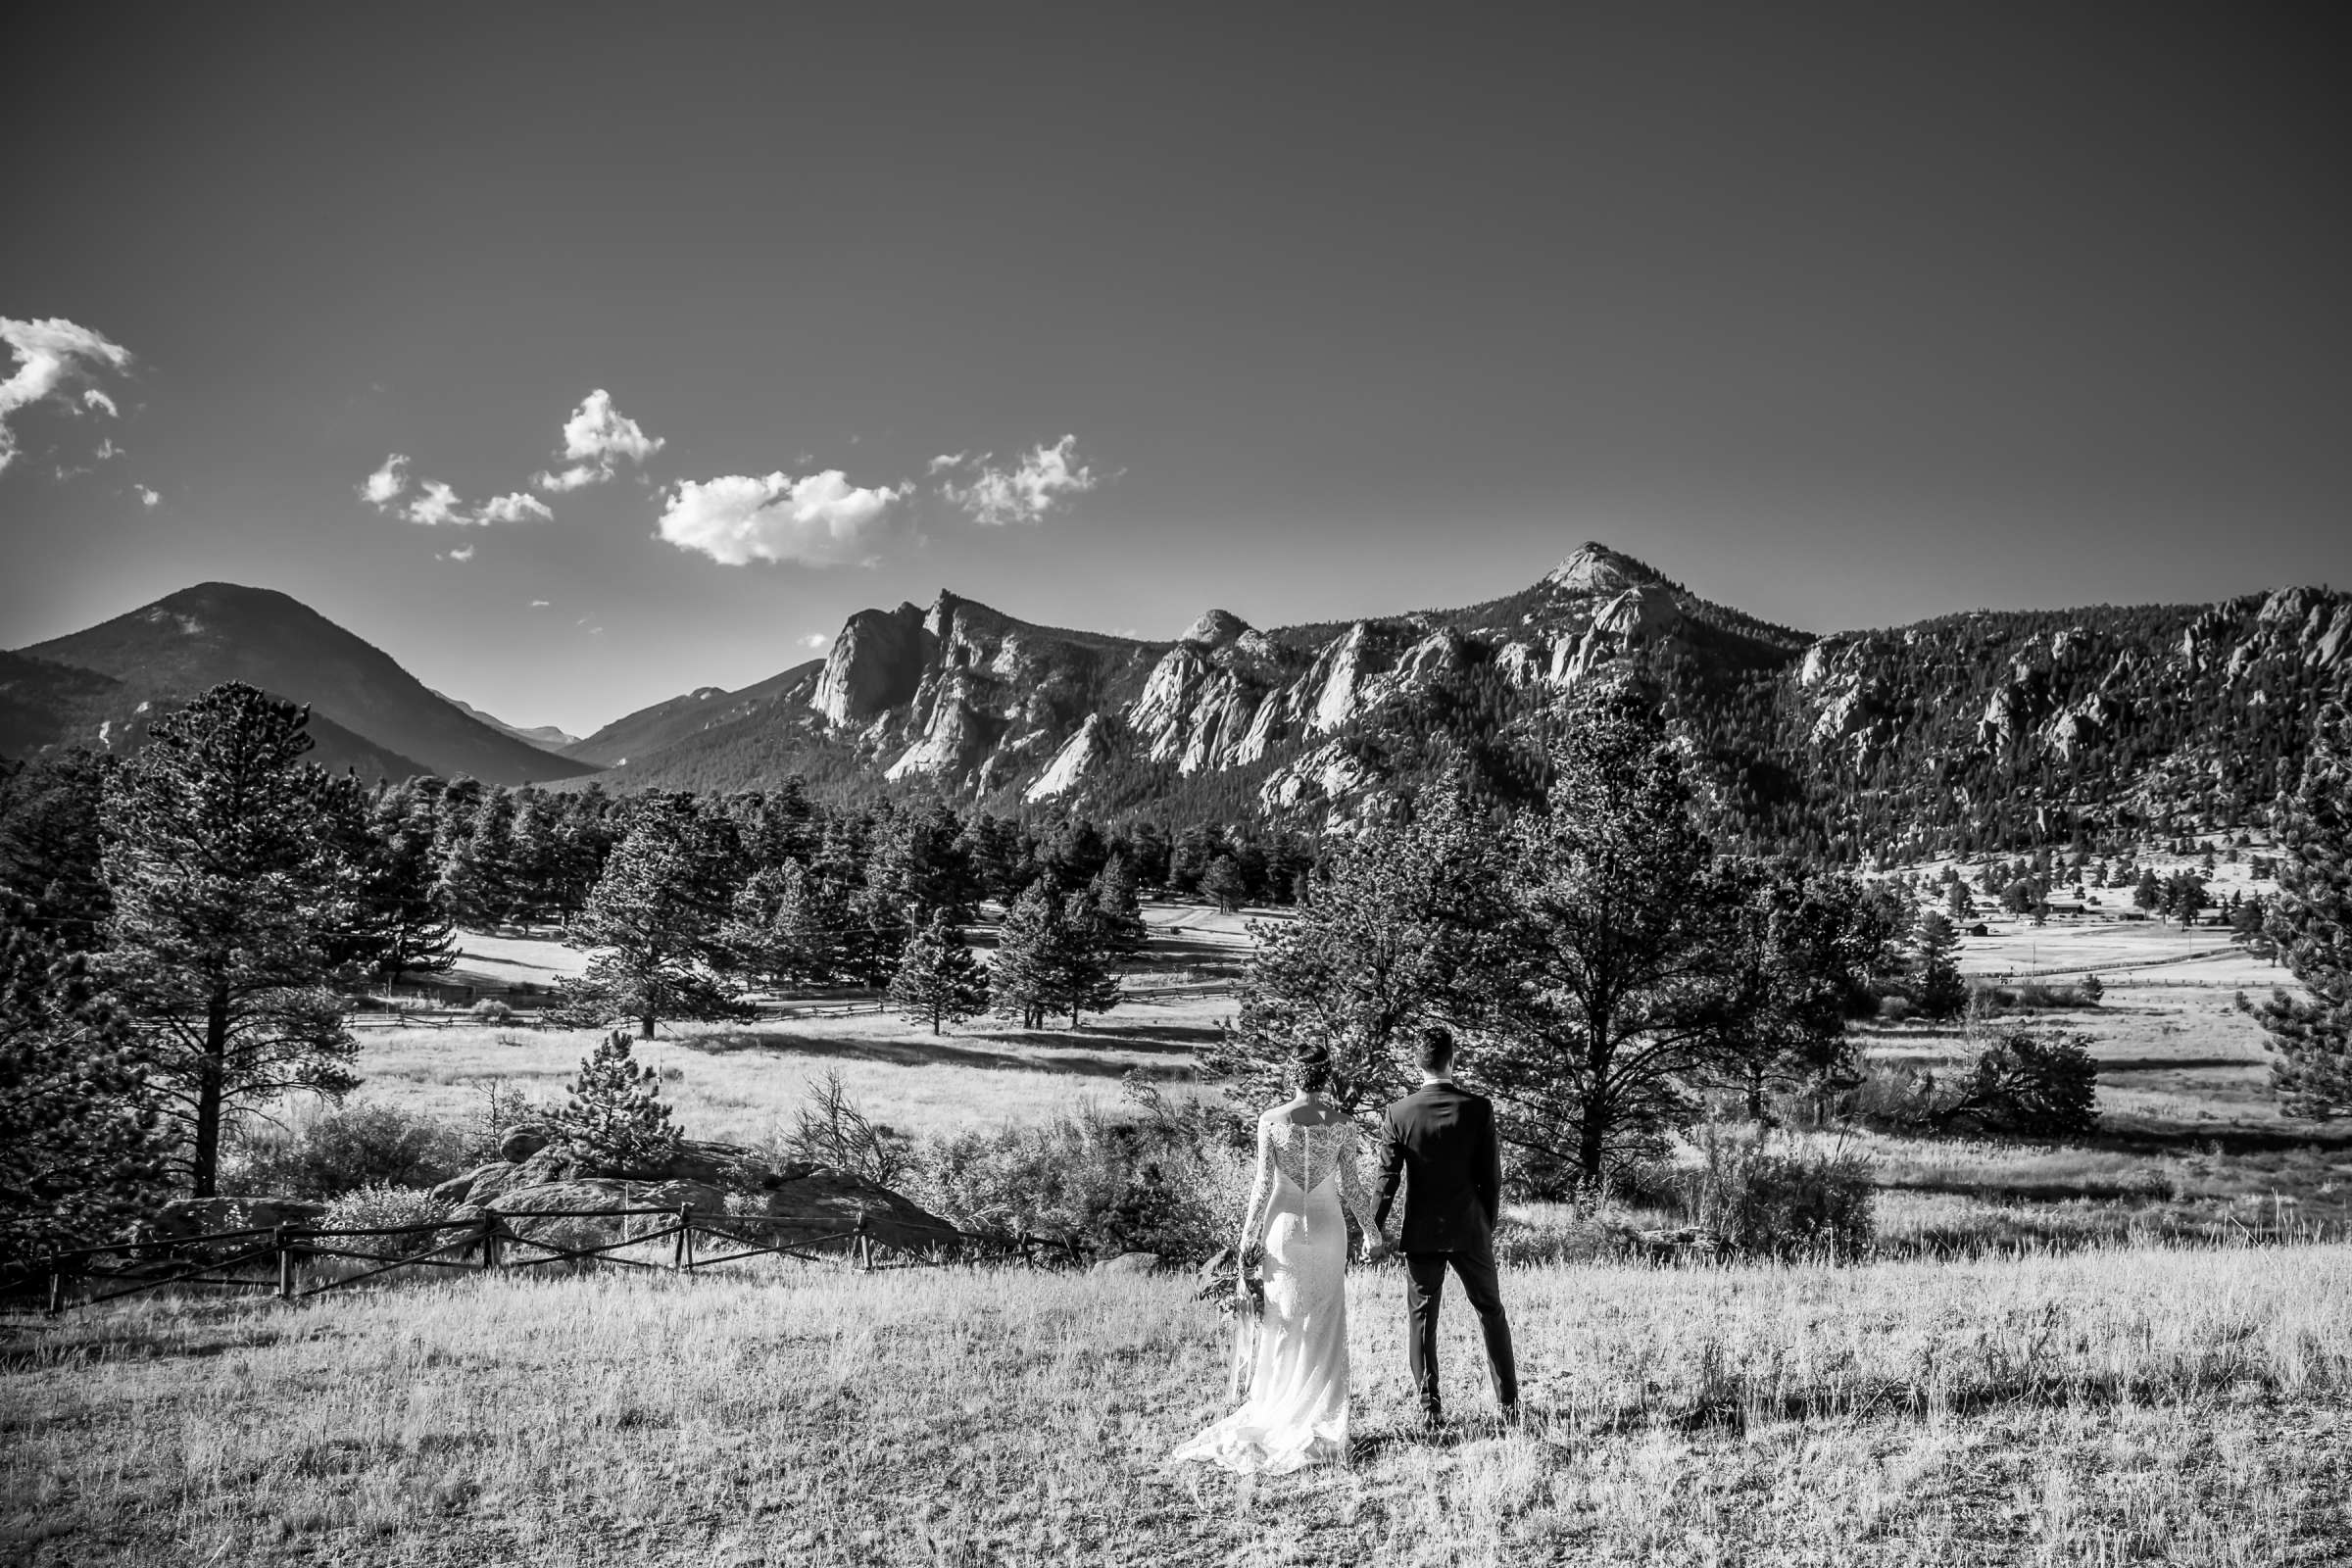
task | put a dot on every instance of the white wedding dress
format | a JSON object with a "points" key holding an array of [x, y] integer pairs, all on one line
{"points": [[1297, 1414]]}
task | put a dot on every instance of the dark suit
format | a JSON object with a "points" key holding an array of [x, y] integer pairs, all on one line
{"points": [[1440, 1139]]}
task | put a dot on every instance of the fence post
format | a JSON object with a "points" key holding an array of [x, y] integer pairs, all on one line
{"points": [[865, 1247], [682, 1253], [285, 1264], [57, 1285], [489, 1240]]}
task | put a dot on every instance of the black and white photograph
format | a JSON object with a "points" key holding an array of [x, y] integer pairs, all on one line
{"points": [[1130, 786]]}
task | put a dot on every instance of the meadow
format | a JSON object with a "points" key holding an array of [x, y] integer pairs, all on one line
{"points": [[2091, 1352], [2110, 1406]]}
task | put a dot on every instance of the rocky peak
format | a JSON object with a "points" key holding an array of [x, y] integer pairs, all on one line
{"points": [[876, 662], [1598, 569], [1215, 630]]}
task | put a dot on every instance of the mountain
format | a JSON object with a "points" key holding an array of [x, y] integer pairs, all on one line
{"points": [[1971, 731], [547, 737], [101, 685], [649, 729], [964, 696]]}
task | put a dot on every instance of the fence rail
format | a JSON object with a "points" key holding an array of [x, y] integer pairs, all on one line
{"points": [[492, 1242]]}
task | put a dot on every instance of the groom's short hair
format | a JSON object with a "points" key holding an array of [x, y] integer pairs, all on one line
{"points": [[1433, 1048]]}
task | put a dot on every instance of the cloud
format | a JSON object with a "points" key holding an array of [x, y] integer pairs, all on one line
{"points": [[92, 398], [520, 507], [435, 503], [438, 503], [538, 604], [817, 639], [461, 553], [949, 460], [147, 497], [820, 521], [1025, 491], [596, 438], [386, 482], [50, 353]]}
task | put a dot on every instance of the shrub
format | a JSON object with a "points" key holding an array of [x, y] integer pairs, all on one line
{"points": [[1162, 1179], [345, 1150], [829, 1129], [1762, 1203], [2090, 990], [491, 1010], [2021, 1084], [382, 1203], [1894, 1009]]}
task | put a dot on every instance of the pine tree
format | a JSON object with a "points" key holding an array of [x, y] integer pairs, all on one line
{"points": [[1936, 946], [1619, 984], [1048, 963], [49, 842], [939, 980], [1020, 981], [876, 938], [1223, 881], [79, 1151], [655, 924], [1116, 912], [615, 1119], [1396, 936], [2311, 924], [227, 913]]}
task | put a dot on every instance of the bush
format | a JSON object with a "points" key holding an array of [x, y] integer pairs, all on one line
{"points": [[1164, 1179], [829, 1129], [1893, 1009], [386, 1205], [1761, 1203], [2021, 1083], [2090, 990], [491, 1010], [344, 1150]]}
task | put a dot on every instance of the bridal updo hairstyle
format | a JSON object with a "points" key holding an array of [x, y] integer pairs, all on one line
{"points": [[1313, 1071]]}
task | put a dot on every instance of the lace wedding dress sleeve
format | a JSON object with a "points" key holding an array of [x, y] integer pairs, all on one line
{"points": [[1261, 1189], [1352, 1185]]}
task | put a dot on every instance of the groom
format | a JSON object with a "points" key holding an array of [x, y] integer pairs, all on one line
{"points": [[1441, 1138]]}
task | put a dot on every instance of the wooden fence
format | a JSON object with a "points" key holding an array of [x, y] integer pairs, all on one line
{"points": [[274, 1259]]}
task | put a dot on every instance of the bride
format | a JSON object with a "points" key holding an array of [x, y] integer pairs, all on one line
{"points": [[1297, 1414]]}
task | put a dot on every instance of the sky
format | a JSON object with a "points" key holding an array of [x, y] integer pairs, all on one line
{"points": [[696, 330]]}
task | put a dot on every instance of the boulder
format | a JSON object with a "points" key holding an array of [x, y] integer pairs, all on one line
{"points": [[187, 1217], [523, 1141], [818, 1206], [478, 1187], [1129, 1263], [822, 1203]]}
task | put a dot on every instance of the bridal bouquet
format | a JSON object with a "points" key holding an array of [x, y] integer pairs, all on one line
{"points": [[1234, 1282]]}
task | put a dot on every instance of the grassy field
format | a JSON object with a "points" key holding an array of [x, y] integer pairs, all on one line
{"points": [[2104, 1406]]}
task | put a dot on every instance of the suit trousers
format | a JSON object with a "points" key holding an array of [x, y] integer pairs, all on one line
{"points": [[1427, 1272]]}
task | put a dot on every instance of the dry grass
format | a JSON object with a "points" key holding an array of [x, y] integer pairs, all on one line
{"points": [[738, 1082], [2178, 1406]]}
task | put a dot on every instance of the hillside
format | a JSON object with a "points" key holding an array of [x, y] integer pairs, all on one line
{"points": [[376, 714], [547, 737], [667, 723]]}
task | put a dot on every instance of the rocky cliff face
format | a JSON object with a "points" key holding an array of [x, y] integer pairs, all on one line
{"points": [[981, 702], [1813, 743]]}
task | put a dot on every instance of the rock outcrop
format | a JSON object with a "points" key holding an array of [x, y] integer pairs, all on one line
{"points": [[877, 663]]}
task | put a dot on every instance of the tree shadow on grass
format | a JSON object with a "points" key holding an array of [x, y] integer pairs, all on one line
{"points": [[943, 1052]]}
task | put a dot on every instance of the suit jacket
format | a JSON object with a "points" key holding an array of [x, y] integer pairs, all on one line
{"points": [[1441, 1140]]}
